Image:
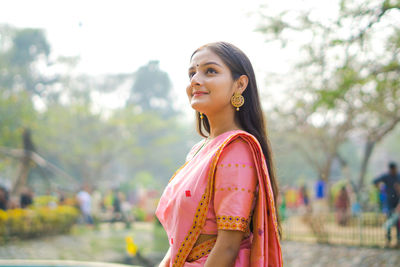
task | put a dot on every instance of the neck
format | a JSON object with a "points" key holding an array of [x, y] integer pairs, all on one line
{"points": [[222, 122]]}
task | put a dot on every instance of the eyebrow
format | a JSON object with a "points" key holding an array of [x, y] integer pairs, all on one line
{"points": [[206, 64]]}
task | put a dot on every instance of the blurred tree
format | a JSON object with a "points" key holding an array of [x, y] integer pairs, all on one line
{"points": [[109, 151], [151, 90], [23, 55], [16, 112], [79, 141], [72, 131], [291, 164], [347, 78], [316, 136], [152, 144]]}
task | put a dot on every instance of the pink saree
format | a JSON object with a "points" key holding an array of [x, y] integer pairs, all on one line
{"points": [[193, 193]]}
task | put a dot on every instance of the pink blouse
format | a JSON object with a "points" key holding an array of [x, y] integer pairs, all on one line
{"points": [[235, 188]]}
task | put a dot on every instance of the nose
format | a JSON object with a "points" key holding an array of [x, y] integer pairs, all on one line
{"points": [[195, 80]]}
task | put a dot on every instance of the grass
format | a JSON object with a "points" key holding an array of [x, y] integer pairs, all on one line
{"points": [[107, 244], [161, 244]]}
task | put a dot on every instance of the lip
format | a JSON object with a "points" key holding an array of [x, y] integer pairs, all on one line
{"points": [[199, 93]]}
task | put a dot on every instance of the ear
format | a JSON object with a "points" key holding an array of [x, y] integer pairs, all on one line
{"points": [[241, 84]]}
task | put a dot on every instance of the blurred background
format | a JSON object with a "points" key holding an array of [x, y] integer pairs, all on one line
{"points": [[94, 120]]}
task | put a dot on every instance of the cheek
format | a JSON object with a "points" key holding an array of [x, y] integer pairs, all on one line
{"points": [[189, 91], [223, 89]]}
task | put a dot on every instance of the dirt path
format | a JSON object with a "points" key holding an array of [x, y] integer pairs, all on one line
{"points": [[296, 254]]}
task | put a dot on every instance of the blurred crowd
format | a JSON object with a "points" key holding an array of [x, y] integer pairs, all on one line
{"points": [[382, 197], [113, 205], [25, 199]]}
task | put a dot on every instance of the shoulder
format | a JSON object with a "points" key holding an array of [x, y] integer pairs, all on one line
{"points": [[237, 149], [380, 178], [231, 135], [240, 138], [245, 137], [239, 144]]}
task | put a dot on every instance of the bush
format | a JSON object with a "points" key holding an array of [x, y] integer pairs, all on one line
{"points": [[45, 200], [36, 221], [140, 214]]}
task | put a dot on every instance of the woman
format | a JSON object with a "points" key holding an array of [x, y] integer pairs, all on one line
{"points": [[219, 207], [342, 206]]}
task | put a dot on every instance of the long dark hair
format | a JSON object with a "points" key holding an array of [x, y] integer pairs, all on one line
{"points": [[250, 116]]}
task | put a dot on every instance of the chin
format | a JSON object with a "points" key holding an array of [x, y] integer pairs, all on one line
{"points": [[200, 107]]}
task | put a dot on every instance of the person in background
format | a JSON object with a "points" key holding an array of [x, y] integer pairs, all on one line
{"points": [[3, 198], [391, 180], [96, 202], [383, 198], [26, 198], [305, 197], [319, 203], [61, 197], [117, 216], [84, 200], [342, 205]]}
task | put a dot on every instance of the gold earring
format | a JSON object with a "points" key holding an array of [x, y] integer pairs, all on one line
{"points": [[237, 100], [201, 116]]}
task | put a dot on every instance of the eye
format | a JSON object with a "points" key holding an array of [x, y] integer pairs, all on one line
{"points": [[211, 70], [191, 74]]}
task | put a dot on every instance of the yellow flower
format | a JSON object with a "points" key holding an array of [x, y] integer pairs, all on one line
{"points": [[131, 247]]}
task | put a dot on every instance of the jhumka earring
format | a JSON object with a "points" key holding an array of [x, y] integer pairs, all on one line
{"points": [[237, 100], [201, 116]]}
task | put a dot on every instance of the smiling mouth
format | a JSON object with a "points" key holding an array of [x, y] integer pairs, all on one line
{"points": [[199, 93]]}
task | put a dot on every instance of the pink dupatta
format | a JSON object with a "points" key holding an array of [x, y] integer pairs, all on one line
{"points": [[184, 204]]}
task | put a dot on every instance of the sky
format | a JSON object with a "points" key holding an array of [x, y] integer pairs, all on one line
{"points": [[120, 36]]}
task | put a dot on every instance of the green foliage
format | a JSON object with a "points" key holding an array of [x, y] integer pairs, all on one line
{"points": [[140, 144], [140, 214], [76, 139], [16, 113], [44, 201], [19, 61], [290, 163], [162, 243], [152, 145], [347, 78], [144, 179], [28, 46]]}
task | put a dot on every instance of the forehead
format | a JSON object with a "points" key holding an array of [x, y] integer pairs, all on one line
{"points": [[204, 56]]}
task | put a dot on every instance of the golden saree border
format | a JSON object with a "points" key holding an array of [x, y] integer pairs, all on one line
{"points": [[201, 250], [191, 238], [232, 223]]}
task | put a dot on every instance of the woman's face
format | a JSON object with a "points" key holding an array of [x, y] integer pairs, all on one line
{"points": [[211, 84]]}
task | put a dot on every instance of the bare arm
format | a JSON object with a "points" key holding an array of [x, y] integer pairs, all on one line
{"points": [[167, 259], [225, 249]]}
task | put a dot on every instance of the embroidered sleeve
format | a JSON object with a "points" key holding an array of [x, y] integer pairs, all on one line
{"points": [[235, 185]]}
